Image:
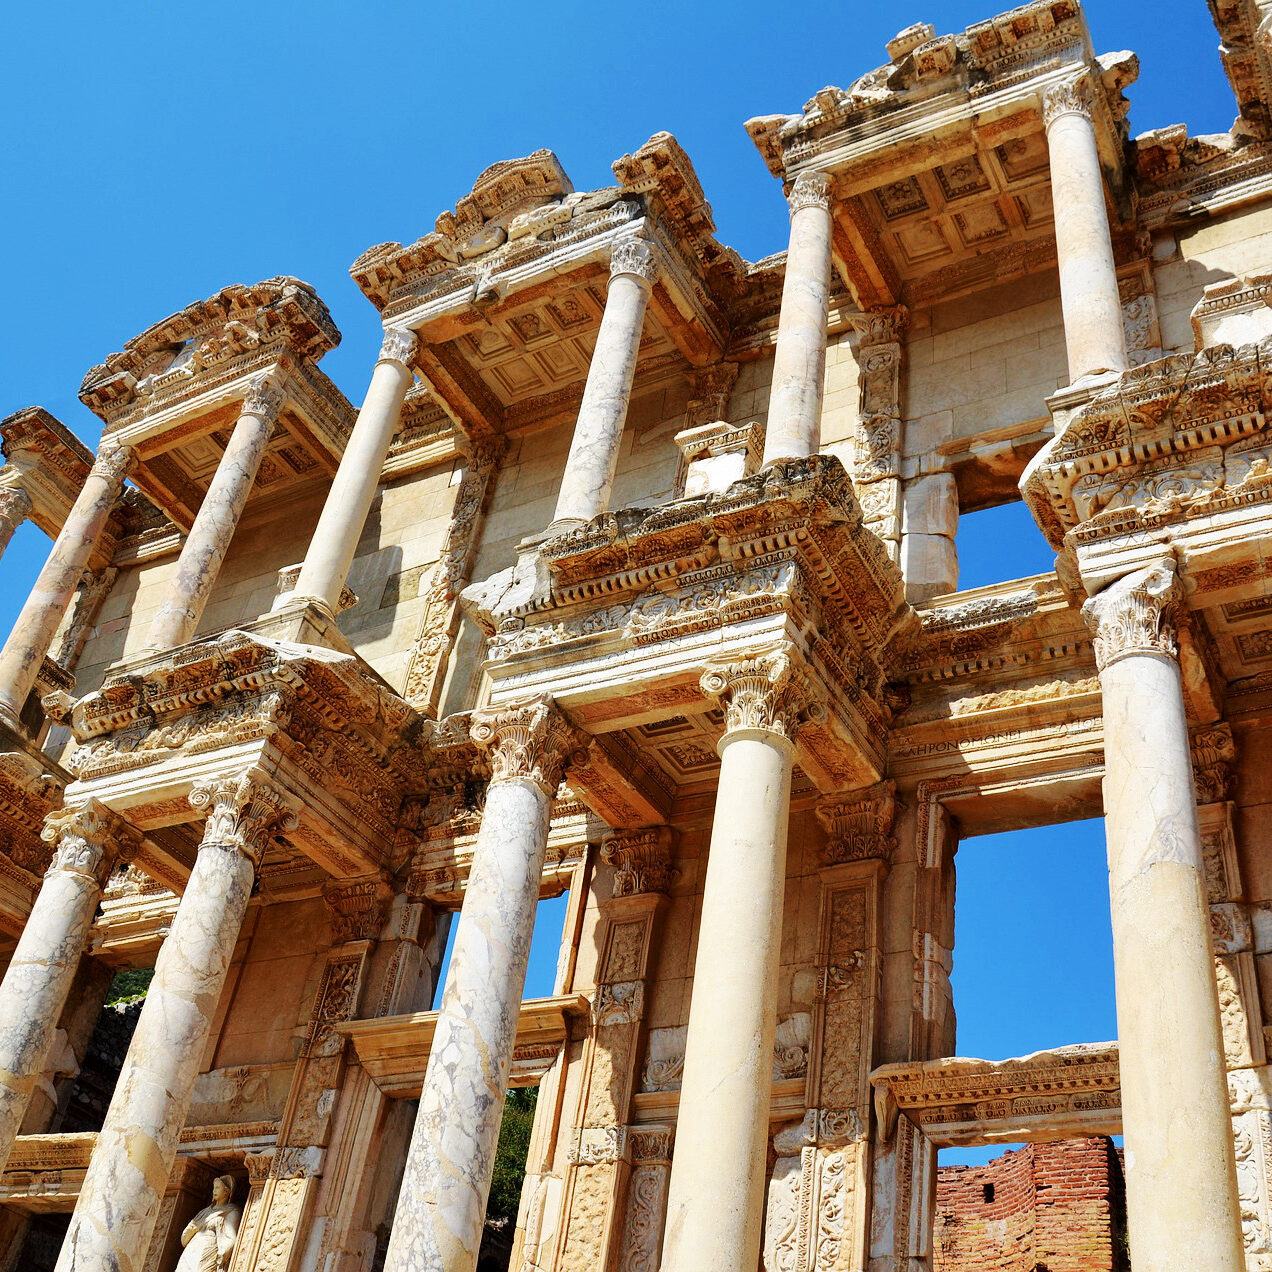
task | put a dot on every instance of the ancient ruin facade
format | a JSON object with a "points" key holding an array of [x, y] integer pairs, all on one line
{"points": [[633, 578]]}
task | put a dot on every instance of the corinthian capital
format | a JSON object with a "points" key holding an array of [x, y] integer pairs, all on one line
{"points": [[243, 814], [264, 397], [1135, 615], [858, 824], [641, 860], [400, 344], [811, 190], [15, 506], [1073, 97], [87, 840], [763, 692], [113, 461], [633, 256], [530, 740]]}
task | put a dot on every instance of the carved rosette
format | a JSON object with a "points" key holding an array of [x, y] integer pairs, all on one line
{"points": [[87, 840], [399, 345], [858, 825], [243, 814], [811, 190], [641, 860], [1073, 97], [264, 398], [634, 257], [357, 908], [15, 508], [1135, 615], [761, 693], [528, 740]]}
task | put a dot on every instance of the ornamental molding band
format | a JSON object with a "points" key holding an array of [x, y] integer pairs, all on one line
{"points": [[529, 741], [810, 190], [399, 345], [635, 257], [244, 813], [1135, 615], [88, 839]]}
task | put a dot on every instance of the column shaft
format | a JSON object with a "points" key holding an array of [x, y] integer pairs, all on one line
{"points": [[598, 431], [1181, 1181], [28, 642], [209, 538], [119, 1200], [15, 508], [344, 514], [799, 361], [1093, 333]]}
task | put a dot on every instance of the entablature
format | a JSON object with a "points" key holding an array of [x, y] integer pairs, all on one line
{"points": [[46, 461]]}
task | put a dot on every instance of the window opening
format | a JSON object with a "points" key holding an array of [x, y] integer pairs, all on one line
{"points": [[996, 545]]}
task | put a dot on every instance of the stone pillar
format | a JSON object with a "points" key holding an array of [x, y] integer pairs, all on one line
{"points": [[799, 362], [35, 986], [344, 514], [124, 1186], [1181, 1185], [442, 1203], [598, 431], [28, 642], [15, 508], [1093, 331], [209, 537], [715, 1200]]}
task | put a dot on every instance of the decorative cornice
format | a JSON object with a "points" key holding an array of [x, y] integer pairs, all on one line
{"points": [[762, 692], [635, 257], [87, 840], [243, 814], [399, 345], [1135, 615], [811, 190], [1072, 97], [641, 860], [858, 824], [528, 740]]}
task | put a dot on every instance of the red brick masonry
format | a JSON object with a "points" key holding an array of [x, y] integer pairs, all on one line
{"points": [[1057, 1207]]}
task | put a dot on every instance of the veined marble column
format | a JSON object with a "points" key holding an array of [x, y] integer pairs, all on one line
{"points": [[344, 513], [15, 508], [1089, 297], [209, 539], [799, 362], [715, 1202], [119, 1200], [1181, 1183], [598, 431], [33, 992], [29, 640], [442, 1203]]}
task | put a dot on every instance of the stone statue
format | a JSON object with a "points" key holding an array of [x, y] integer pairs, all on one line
{"points": [[209, 1237]]}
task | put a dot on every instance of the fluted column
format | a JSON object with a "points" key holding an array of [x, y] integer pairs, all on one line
{"points": [[716, 1193], [33, 993], [15, 508], [598, 431], [1181, 1185], [344, 514], [1093, 332], [442, 1201], [799, 361], [209, 538], [119, 1199], [28, 642]]}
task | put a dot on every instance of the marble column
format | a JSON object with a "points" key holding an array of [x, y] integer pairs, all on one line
{"points": [[15, 508], [1181, 1184], [344, 514], [715, 1200], [1089, 297], [38, 979], [209, 538], [28, 642], [598, 431], [442, 1203], [799, 361], [122, 1191]]}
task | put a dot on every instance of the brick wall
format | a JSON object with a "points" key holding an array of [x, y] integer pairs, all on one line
{"points": [[1057, 1207]]}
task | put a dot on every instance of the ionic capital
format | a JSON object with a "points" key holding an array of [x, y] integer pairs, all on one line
{"points": [[87, 840], [113, 462], [858, 824], [1072, 97], [243, 814], [15, 506], [811, 190], [641, 860], [531, 740], [264, 398], [763, 692], [635, 257], [1135, 615], [399, 345]]}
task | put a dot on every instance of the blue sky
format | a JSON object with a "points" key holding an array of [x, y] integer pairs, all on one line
{"points": [[155, 153]]}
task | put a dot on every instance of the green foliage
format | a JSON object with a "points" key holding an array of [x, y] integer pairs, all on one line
{"points": [[129, 985], [510, 1154]]}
